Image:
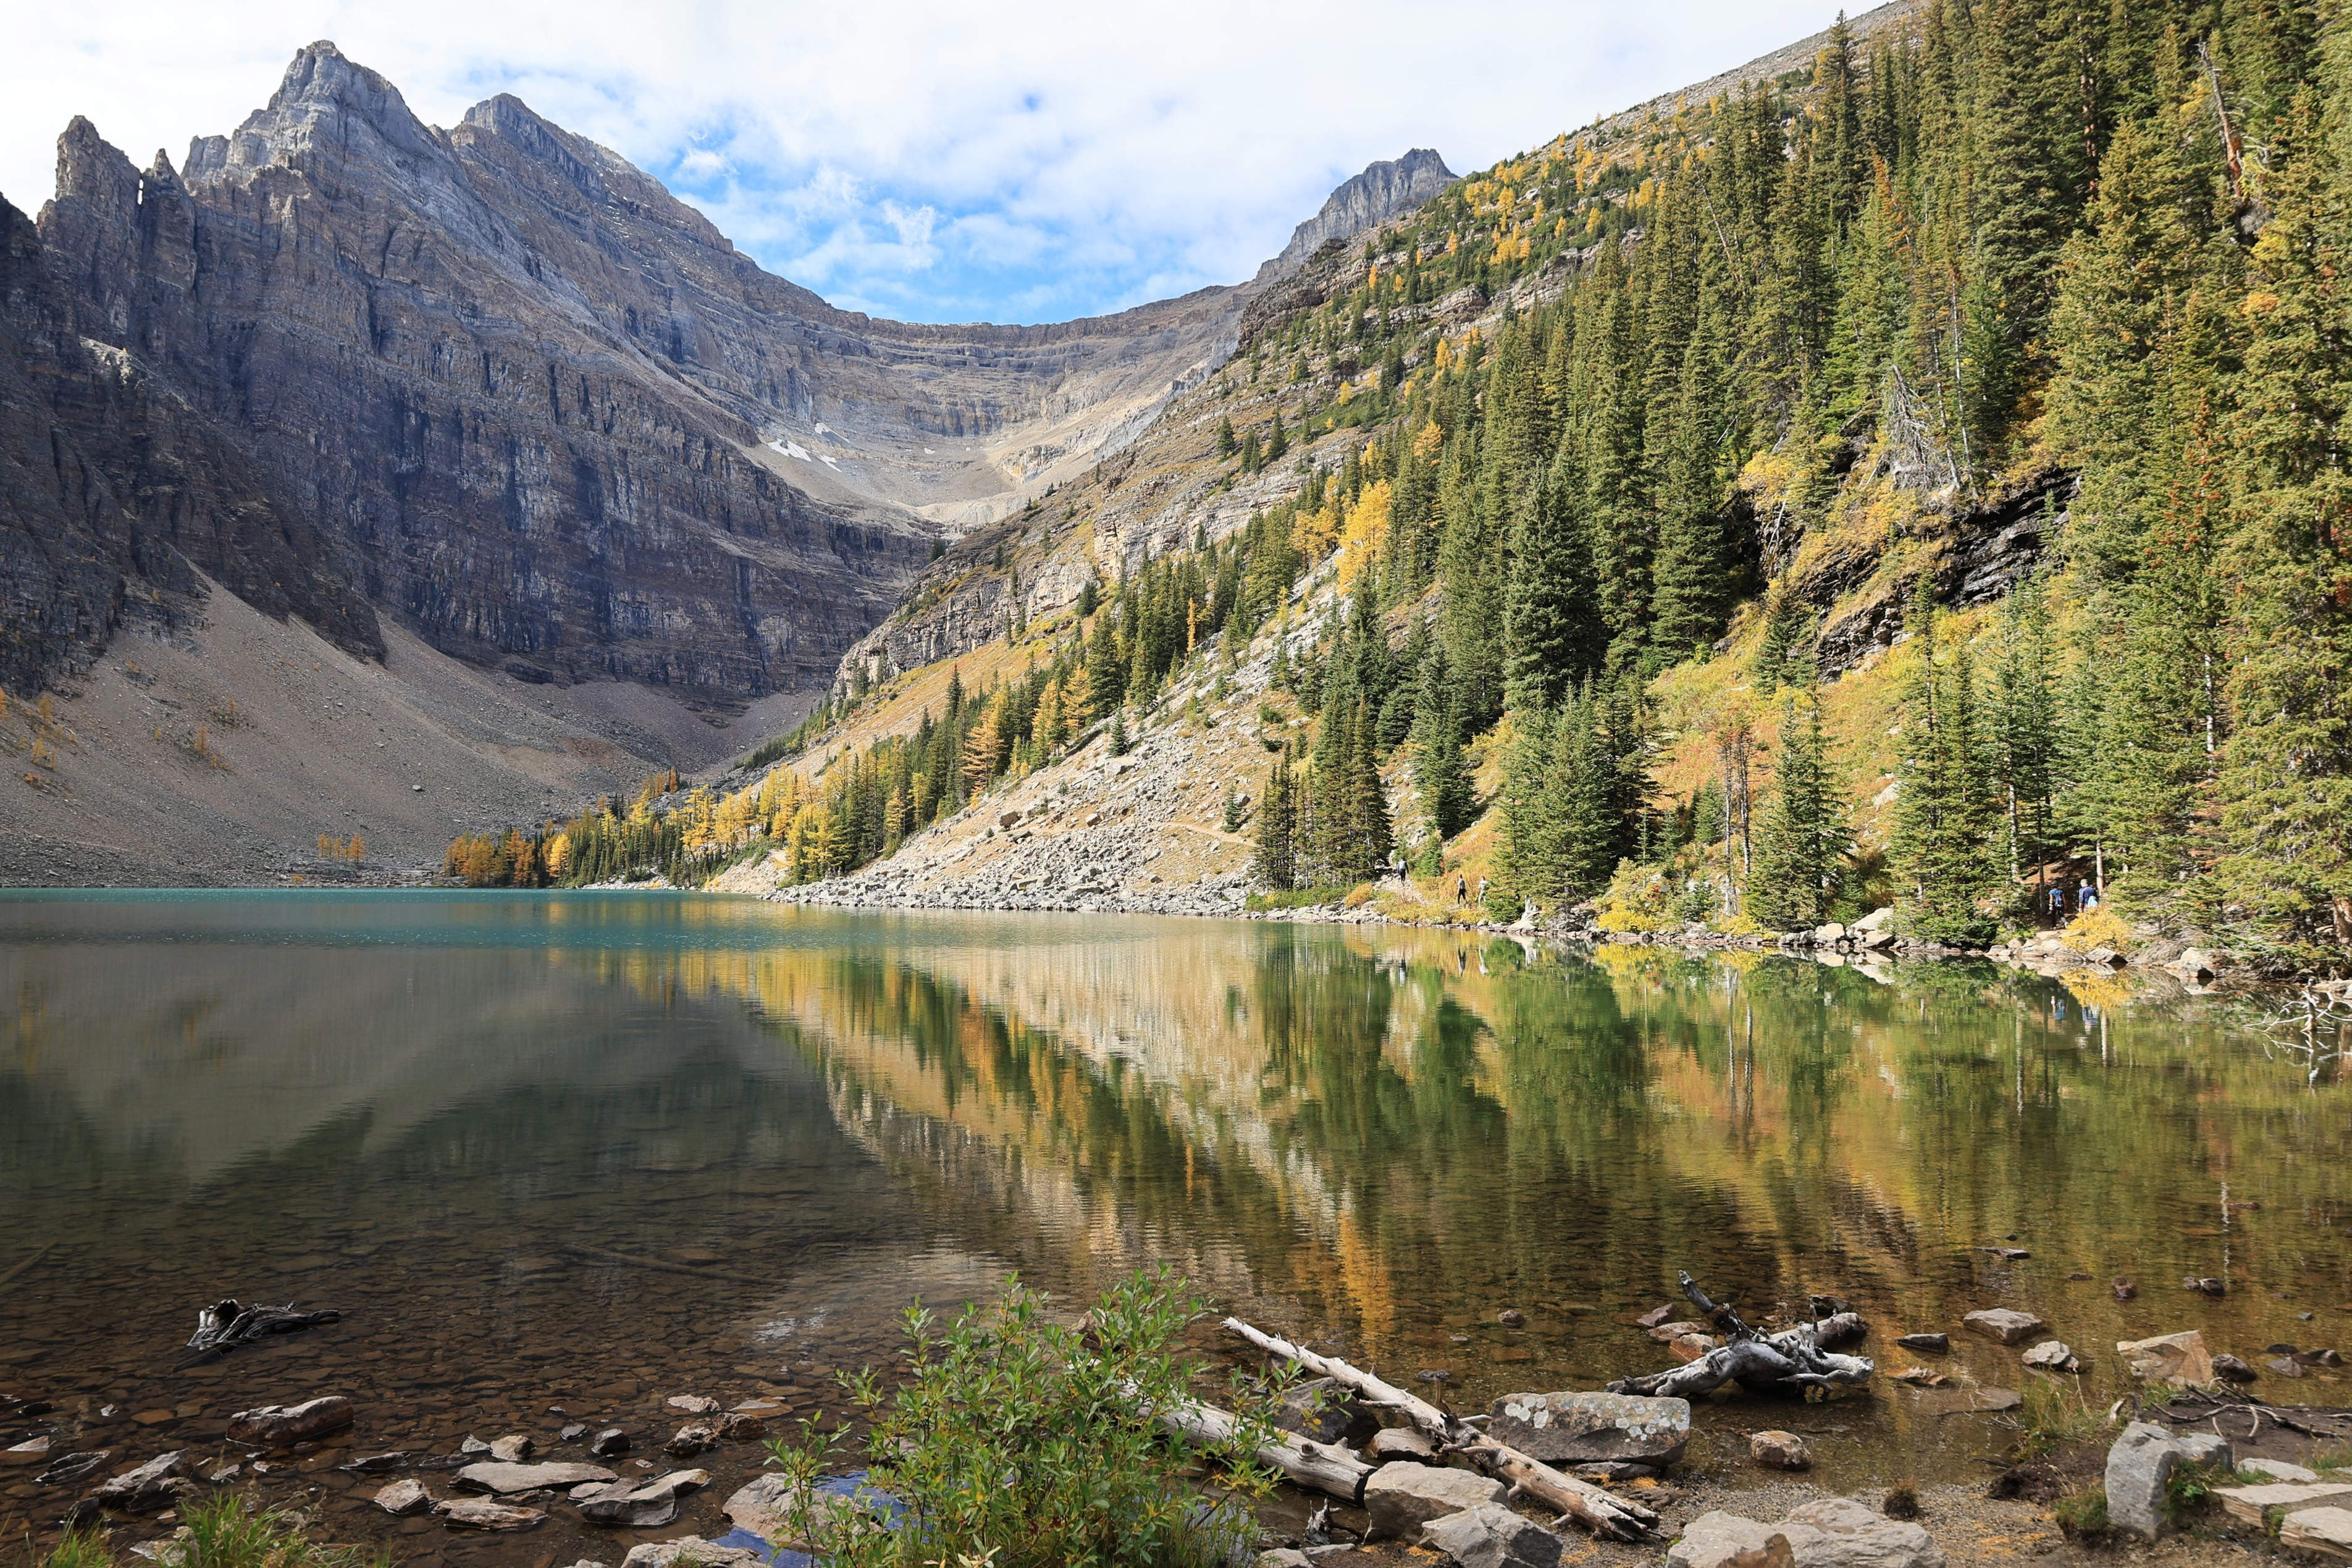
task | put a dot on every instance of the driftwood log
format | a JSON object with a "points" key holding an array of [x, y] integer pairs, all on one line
{"points": [[222, 1327], [1602, 1513], [1318, 1466], [1787, 1361]]}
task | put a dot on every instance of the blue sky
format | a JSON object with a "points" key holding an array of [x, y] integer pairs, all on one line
{"points": [[930, 162]]}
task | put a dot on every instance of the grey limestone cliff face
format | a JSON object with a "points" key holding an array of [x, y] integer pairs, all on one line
{"points": [[545, 414], [1381, 192]]}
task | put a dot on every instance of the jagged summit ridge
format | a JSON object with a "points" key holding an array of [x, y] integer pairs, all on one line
{"points": [[1382, 191]]}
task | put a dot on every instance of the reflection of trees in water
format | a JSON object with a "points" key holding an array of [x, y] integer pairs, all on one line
{"points": [[1429, 1128]]}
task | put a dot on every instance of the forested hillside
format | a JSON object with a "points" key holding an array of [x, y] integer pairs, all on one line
{"points": [[1660, 469]]}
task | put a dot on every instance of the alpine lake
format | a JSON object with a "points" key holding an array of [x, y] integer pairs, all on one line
{"points": [[557, 1158]]}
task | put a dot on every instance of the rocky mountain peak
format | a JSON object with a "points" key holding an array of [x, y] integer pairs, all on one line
{"points": [[326, 103], [1382, 191]]}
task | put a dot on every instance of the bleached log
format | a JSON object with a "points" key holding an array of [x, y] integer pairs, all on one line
{"points": [[1319, 1466], [1601, 1511]]}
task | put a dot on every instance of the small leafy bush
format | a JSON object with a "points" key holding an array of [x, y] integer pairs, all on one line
{"points": [[2100, 927], [223, 1532], [1019, 1442]]}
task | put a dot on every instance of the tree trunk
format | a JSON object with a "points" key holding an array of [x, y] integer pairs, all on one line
{"points": [[1319, 1466], [1599, 1510]]}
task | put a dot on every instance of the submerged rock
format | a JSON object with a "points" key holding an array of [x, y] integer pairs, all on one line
{"points": [[1778, 1450], [609, 1442], [647, 1506], [283, 1426], [146, 1487], [68, 1469], [1927, 1344], [481, 1514], [2004, 1325], [690, 1441], [511, 1450]]}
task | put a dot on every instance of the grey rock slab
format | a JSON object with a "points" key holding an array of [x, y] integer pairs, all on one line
{"points": [[494, 1477], [283, 1426], [647, 1506], [2052, 1355], [2262, 1506], [2004, 1325], [402, 1498], [1285, 1557], [2278, 1470], [2322, 1532], [1403, 1497], [1589, 1428], [1491, 1536], [481, 1514]]}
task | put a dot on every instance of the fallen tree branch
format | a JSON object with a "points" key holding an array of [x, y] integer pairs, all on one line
{"points": [[1603, 1512], [1783, 1362], [1319, 1466]]}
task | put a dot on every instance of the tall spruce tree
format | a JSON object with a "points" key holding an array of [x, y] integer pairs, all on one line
{"points": [[1946, 821], [1802, 843]]}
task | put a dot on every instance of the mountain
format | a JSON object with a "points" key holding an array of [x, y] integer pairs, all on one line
{"points": [[488, 411], [1907, 472], [1369, 199]]}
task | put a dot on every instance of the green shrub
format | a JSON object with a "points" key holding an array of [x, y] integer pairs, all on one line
{"points": [[1018, 1442]]}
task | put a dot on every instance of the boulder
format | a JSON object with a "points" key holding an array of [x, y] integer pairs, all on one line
{"points": [[2052, 1355], [609, 1442], [1839, 1532], [2007, 1327], [1876, 920], [283, 1426], [2168, 1358], [1778, 1450], [2140, 1464], [1403, 1497], [146, 1487], [404, 1498], [511, 1450], [1399, 1443], [2231, 1369], [481, 1514], [2322, 1532], [498, 1477], [690, 1441], [2265, 1506], [1570, 1429], [689, 1552], [1492, 1536], [1728, 1541], [763, 1505]]}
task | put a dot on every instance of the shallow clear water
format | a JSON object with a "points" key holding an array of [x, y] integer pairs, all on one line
{"points": [[588, 1151]]}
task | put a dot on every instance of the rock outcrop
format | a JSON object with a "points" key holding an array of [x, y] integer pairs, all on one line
{"points": [[1381, 192]]}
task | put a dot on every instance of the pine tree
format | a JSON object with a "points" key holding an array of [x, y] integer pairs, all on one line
{"points": [[1276, 865], [1801, 844], [1945, 821], [2025, 727]]}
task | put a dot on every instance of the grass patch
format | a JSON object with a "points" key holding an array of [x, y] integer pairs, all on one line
{"points": [[1019, 1442], [2054, 1416], [2082, 1515], [222, 1533]]}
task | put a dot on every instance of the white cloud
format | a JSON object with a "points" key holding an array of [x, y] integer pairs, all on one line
{"points": [[937, 159]]}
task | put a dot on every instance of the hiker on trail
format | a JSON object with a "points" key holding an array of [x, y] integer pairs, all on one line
{"points": [[2088, 899], [1461, 888]]}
